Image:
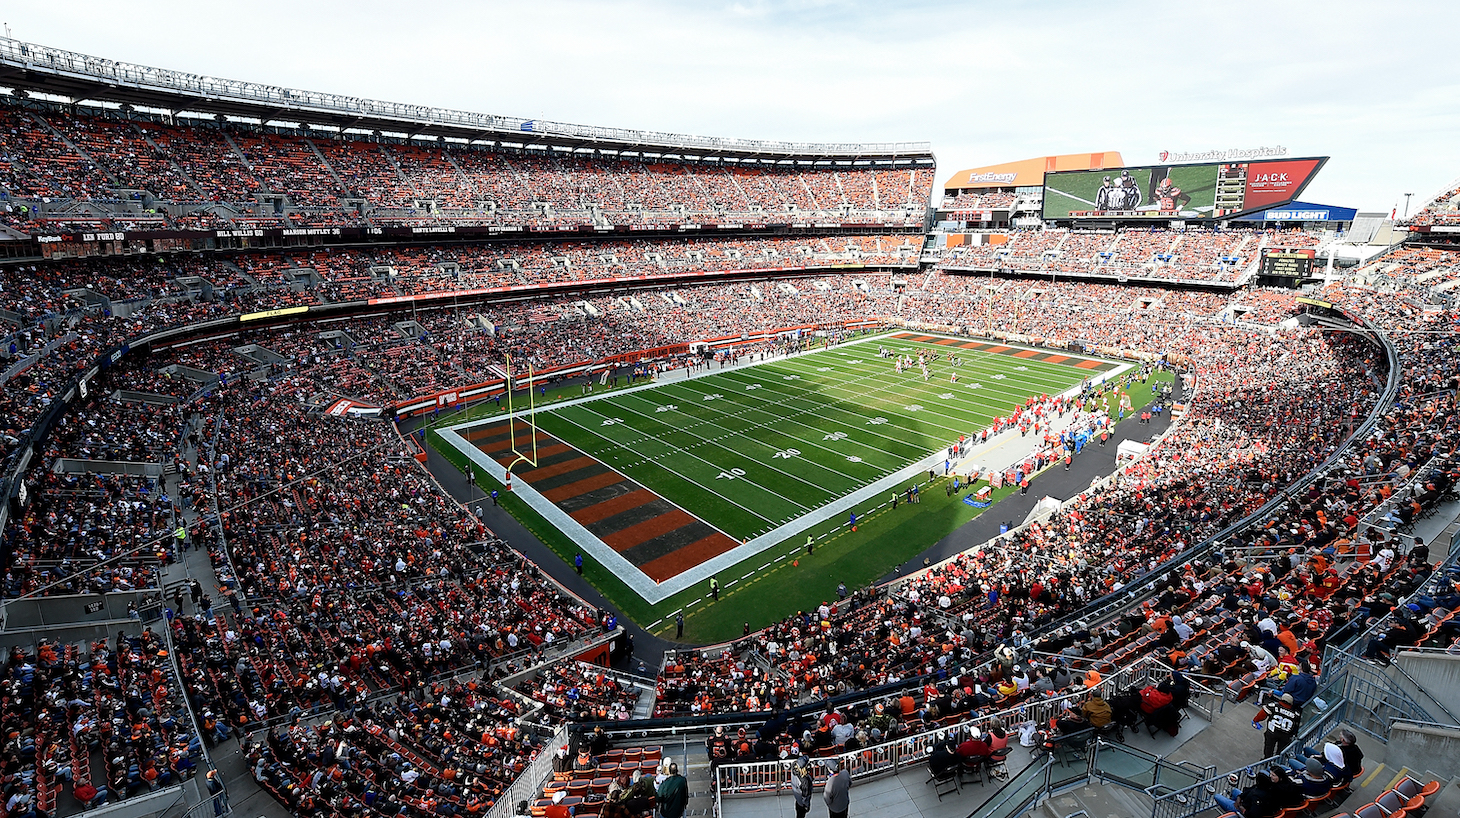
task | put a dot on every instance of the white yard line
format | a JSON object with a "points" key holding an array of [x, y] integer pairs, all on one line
{"points": [[683, 476], [933, 388], [773, 448], [739, 454], [791, 418]]}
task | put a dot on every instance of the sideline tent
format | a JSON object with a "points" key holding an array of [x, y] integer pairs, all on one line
{"points": [[1130, 449]]}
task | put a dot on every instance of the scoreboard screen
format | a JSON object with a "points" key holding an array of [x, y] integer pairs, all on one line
{"points": [[1212, 190], [1285, 267]]}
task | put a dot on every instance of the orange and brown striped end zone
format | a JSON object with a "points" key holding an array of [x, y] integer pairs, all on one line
{"points": [[1013, 352], [653, 534]]}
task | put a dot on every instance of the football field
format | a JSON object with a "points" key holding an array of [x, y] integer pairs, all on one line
{"points": [[748, 449], [673, 482]]}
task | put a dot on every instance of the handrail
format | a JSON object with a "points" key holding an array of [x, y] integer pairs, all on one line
{"points": [[897, 753], [1421, 688], [275, 100], [1199, 796], [995, 807], [1422, 723]]}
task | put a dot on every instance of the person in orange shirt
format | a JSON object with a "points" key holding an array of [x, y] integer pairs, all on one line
{"points": [[1320, 562], [1160, 622], [1290, 641]]}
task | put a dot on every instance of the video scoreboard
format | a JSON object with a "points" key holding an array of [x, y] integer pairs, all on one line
{"points": [[1212, 190]]}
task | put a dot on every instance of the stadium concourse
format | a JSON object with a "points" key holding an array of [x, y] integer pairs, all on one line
{"points": [[231, 585]]}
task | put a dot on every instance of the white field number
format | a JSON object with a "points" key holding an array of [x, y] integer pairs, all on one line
{"points": [[730, 475]]}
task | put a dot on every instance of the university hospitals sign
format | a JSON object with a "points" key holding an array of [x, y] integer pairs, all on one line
{"points": [[1228, 155]]}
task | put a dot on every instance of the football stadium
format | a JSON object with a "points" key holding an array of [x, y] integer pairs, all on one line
{"points": [[370, 458]]}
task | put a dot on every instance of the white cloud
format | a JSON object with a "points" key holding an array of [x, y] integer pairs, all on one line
{"points": [[985, 82]]}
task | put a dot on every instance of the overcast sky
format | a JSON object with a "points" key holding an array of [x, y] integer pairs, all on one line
{"points": [[1373, 85]]}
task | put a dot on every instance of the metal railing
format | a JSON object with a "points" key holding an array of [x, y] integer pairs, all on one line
{"points": [[1106, 762], [1374, 701], [1424, 690], [527, 785], [315, 104], [889, 757], [1200, 795], [1140, 770], [1020, 792], [1339, 655]]}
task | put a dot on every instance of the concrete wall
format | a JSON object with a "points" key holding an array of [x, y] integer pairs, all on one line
{"points": [[1423, 748], [1438, 674], [70, 610]]}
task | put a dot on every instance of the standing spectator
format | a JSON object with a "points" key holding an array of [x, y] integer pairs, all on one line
{"points": [[802, 786], [673, 794], [837, 793], [578, 563], [1282, 723], [220, 795]]}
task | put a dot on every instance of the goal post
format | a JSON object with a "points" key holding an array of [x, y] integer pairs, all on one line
{"points": [[521, 453]]}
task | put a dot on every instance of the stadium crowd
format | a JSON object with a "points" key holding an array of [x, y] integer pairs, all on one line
{"points": [[332, 179], [1159, 254], [349, 578]]}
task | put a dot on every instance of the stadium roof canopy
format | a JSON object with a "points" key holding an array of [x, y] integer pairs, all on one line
{"points": [[79, 77], [1030, 172]]}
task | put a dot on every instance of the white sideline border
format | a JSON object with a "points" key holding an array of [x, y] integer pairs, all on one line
{"points": [[640, 582]]}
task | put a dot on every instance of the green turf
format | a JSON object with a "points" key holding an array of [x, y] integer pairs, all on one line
{"points": [[747, 449], [884, 538]]}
